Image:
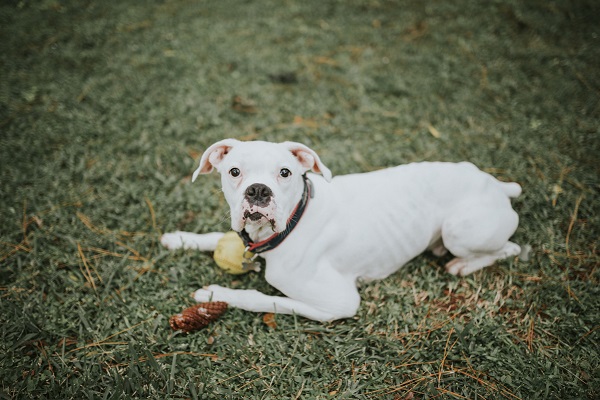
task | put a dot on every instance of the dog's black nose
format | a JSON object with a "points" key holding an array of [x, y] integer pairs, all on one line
{"points": [[259, 194]]}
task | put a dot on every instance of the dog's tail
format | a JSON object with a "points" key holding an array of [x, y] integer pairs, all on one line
{"points": [[511, 189]]}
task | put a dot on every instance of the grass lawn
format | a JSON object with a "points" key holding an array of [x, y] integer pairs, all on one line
{"points": [[105, 108]]}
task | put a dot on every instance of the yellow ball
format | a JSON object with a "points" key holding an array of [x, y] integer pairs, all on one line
{"points": [[229, 254]]}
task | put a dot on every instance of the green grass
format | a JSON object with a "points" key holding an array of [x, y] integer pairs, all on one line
{"points": [[105, 108]]}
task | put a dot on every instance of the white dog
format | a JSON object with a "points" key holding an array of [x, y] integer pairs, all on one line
{"points": [[320, 235]]}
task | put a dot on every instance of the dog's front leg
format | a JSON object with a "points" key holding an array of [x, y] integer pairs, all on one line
{"points": [[253, 300], [189, 240]]}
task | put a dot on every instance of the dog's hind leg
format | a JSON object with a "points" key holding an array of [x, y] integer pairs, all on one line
{"points": [[478, 236], [188, 240]]}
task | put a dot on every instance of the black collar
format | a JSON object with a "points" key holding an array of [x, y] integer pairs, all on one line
{"points": [[277, 238]]}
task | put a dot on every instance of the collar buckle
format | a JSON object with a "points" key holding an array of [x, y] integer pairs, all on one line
{"points": [[249, 262]]}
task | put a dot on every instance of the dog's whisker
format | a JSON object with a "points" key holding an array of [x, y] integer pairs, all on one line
{"points": [[226, 218]]}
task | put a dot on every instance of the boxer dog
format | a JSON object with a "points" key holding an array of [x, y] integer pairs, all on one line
{"points": [[319, 235]]}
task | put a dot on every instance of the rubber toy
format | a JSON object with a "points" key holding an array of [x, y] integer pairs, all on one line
{"points": [[230, 255]]}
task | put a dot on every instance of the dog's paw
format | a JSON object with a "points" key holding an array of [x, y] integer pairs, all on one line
{"points": [[456, 265], [202, 295], [211, 293], [464, 267], [172, 240]]}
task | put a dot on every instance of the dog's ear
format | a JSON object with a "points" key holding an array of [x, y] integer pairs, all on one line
{"points": [[308, 159], [213, 156]]}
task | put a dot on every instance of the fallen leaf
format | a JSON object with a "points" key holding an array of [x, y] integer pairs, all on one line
{"points": [[269, 320]]}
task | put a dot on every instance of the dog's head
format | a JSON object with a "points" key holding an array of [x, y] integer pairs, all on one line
{"points": [[262, 181]]}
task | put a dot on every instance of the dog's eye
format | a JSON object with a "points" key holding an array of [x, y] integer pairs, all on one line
{"points": [[285, 173], [235, 172]]}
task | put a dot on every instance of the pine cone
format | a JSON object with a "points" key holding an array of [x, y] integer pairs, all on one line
{"points": [[197, 317]]}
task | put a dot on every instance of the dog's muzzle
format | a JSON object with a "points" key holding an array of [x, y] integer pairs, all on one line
{"points": [[258, 204]]}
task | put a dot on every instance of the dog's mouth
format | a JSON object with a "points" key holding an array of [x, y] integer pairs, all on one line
{"points": [[255, 216], [258, 218]]}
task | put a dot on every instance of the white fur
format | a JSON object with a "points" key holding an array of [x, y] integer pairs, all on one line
{"points": [[359, 226]]}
